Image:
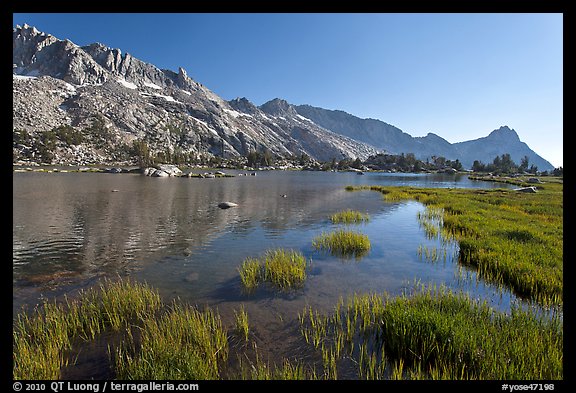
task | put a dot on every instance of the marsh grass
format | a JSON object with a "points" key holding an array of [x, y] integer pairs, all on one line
{"points": [[242, 325], [349, 217], [261, 370], [509, 238], [343, 243], [250, 273], [285, 269], [436, 334], [41, 339], [184, 343]]}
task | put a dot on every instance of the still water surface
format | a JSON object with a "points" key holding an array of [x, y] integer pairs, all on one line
{"points": [[72, 229]]}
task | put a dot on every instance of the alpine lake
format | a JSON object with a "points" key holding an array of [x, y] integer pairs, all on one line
{"points": [[73, 230]]}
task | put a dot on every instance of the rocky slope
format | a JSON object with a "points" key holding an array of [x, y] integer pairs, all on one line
{"points": [[99, 90]]}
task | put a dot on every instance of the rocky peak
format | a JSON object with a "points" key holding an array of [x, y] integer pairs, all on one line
{"points": [[182, 79], [243, 105], [278, 107], [28, 41], [504, 134]]}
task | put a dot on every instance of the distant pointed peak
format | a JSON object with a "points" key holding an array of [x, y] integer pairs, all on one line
{"points": [[504, 132], [277, 107]]}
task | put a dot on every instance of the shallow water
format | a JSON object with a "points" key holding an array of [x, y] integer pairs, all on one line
{"points": [[71, 229]]}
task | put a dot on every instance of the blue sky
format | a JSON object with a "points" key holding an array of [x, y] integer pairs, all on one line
{"points": [[457, 75]]}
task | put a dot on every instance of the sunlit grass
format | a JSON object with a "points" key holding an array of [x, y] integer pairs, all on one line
{"points": [[42, 338], [250, 273], [435, 334], [343, 243], [511, 238], [242, 325], [184, 343], [282, 268], [349, 217]]}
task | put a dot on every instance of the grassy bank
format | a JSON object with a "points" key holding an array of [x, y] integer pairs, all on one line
{"points": [[509, 237], [429, 334], [435, 334]]}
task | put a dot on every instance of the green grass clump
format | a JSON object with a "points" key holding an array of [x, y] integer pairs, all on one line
{"points": [[343, 243], [42, 338], [349, 217], [282, 268], [250, 273], [508, 237], [285, 268], [184, 343], [437, 334], [242, 326]]}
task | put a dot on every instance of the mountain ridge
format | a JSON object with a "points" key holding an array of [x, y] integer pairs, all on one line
{"points": [[382, 135], [119, 101]]}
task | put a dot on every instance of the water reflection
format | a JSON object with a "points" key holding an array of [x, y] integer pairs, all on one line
{"points": [[70, 229]]}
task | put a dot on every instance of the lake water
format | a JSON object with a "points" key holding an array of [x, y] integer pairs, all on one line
{"points": [[72, 229]]}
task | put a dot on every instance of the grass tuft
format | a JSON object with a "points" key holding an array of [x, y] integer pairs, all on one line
{"points": [[343, 243], [242, 326], [349, 217], [282, 268]]}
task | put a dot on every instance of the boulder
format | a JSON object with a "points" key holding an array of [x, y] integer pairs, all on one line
{"points": [[171, 170], [159, 173], [534, 180], [526, 189], [227, 205]]}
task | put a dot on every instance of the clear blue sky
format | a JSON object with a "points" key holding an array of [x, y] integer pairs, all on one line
{"points": [[457, 75]]}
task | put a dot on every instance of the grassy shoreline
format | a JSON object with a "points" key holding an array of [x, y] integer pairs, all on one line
{"points": [[509, 237], [512, 238], [430, 333]]}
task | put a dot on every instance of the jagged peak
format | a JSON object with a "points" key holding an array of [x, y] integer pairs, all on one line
{"points": [[242, 104], [31, 30], [277, 107]]}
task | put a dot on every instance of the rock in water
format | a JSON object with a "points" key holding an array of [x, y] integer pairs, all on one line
{"points": [[227, 205]]}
